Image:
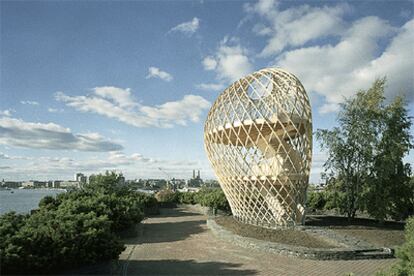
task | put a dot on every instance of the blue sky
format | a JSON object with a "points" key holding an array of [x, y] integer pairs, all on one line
{"points": [[88, 86]]}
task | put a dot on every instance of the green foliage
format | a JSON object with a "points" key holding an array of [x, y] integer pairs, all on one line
{"points": [[52, 239], [71, 229], [105, 183], [316, 200], [148, 203], [406, 252], [187, 198], [146, 200], [365, 169], [214, 198], [209, 197], [390, 192], [167, 196]]}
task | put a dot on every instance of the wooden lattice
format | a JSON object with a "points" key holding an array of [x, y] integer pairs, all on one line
{"points": [[258, 137]]}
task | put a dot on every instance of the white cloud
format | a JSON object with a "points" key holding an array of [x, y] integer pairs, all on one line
{"points": [[178, 112], [168, 114], [318, 160], [6, 112], [339, 71], [211, 86], [230, 61], [295, 26], [332, 56], [19, 133], [154, 72], [188, 28], [29, 102], [4, 156], [328, 108], [48, 167], [121, 96], [209, 63], [54, 110], [8, 157]]}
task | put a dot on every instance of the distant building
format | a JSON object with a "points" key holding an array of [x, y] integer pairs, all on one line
{"points": [[196, 181], [69, 184], [34, 184], [81, 178], [10, 184], [56, 183]]}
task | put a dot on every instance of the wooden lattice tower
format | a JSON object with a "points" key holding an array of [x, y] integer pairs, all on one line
{"points": [[258, 137]]}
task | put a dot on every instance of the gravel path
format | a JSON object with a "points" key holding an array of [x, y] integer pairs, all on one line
{"points": [[178, 242]]}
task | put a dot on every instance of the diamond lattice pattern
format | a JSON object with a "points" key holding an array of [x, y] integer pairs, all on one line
{"points": [[258, 137]]}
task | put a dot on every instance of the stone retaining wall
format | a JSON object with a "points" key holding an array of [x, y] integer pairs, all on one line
{"points": [[346, 253]]}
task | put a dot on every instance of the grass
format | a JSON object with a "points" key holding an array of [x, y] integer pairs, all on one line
{"points": [[284, 236]]}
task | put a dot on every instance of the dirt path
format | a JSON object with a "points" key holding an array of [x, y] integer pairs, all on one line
{"points": [[178, 242]]}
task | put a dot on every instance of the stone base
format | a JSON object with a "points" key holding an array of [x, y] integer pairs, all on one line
{"points": [[348, 252]]}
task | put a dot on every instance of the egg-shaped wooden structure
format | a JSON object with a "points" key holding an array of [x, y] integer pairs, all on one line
{"points": [[258, 138]]}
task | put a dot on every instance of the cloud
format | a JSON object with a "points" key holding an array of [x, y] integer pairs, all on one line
{"points": [[48, 167], [29, 102], [14, 157], [209, 63], [328, 108], [230, 61], [4, 156], [19, 133], [54, 110], [189, 108], [211, 86], [295, 26], [318, 160], [353, 63], [154, 72], [122, 97], [332, 56], [187, 28], [6, 112]]}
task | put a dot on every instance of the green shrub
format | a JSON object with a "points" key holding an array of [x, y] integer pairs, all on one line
{"points": [[406, 252], [214, 198], [316, 200], [51, 240], [167, 196], [148, 203], [71, 229], [187, 198], [146, 200]]}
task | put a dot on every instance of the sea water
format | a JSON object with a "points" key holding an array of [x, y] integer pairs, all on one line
{"points": [[23, 200]]}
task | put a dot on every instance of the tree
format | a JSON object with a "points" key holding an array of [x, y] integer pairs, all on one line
{"points": [[350, 146], [365, 155], [389, 192]]}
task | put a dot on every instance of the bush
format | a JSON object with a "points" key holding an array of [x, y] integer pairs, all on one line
{"points": [[187, 198], [148, 203], [167, 198], [214, 198], [316, 200], [56, 239], [71, 229], [406, 252]]}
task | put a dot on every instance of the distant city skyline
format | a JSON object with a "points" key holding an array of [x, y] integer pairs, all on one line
{"points": [[90, 86]]}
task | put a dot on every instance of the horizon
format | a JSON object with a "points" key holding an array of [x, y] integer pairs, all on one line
{"points": [[126, 86]]}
